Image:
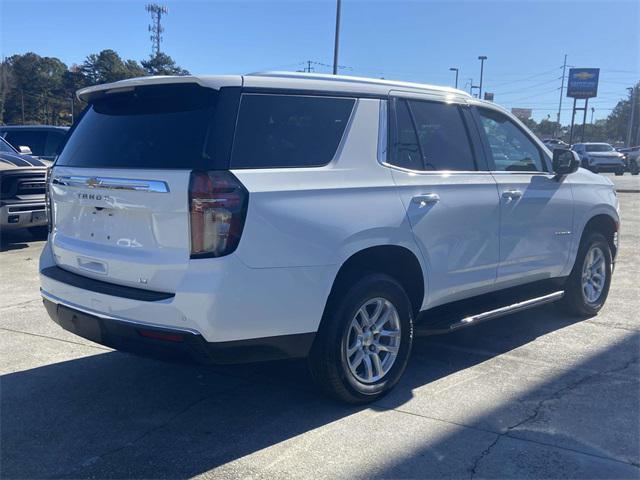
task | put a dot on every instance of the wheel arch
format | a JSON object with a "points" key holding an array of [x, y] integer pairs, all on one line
{"points": [[396, 261], [605, 224]]}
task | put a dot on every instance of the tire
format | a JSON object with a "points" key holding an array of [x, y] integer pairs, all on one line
{"points": [[575, 301], [40, 231], [330, 364], [619, 173]]}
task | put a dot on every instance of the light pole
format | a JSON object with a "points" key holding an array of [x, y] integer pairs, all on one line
{"points": [[632, 91], [482, 58], [453, 69], [337, 38], [592, 111]]}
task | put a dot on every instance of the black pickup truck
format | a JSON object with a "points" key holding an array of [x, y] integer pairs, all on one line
{"points": [[22, 191]]}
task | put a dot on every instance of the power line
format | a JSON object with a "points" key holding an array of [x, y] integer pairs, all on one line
{"points": [[529, 88], [532, 96], [525, 79]]}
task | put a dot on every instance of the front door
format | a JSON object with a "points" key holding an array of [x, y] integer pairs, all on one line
{"points": [[536, 208]]}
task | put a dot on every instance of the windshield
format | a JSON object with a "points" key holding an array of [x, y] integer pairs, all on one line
{"points": [[600, 147], [5, 147], [163, 126]]}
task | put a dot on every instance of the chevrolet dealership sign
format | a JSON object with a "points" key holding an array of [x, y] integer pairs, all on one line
{"points": [[583, 82]]}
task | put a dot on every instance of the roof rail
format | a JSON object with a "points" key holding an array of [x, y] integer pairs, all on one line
{"points": [[361, 80]]}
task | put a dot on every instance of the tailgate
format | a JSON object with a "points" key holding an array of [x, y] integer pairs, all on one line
{"points": [[122, 226]]}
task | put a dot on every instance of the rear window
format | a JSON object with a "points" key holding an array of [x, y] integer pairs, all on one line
{"points": [[289, 130], [54, 142], [34, 139], [599, 147], [160, 126]]}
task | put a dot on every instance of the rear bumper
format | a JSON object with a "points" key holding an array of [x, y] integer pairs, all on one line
{"points": [[220, 299], [171, 343], [21, 215]]}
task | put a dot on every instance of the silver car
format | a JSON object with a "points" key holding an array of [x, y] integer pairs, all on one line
{"points": [[600, 157]]}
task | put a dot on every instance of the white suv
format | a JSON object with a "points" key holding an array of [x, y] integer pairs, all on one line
{"points": [[276, 215]]}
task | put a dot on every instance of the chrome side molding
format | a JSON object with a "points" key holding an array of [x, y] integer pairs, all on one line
{"points": [[106, 183]]}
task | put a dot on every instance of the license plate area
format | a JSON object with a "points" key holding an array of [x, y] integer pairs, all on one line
{"points": [[39, 217], [82, 324]]}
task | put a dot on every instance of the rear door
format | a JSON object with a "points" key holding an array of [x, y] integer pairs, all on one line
{"points": [[451, 200], [120, 188], [536, 208]]}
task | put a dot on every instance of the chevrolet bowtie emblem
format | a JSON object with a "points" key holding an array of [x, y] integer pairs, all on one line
{"points": [[92, 182]]}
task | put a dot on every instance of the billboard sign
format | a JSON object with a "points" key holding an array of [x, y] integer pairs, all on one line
{"points": [[522, 113], [488, 96], [583, 82]]}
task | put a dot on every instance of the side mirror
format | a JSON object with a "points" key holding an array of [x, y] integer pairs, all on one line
{"points": [[565, 161], [25, 150]]}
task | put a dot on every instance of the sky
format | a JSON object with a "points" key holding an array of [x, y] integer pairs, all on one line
{"points": [[525, 41]]}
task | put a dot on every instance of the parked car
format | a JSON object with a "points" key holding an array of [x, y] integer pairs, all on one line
{"points": [[631, 157], [22, 191], [276, 215], [44, 141], [553, 143], [600, 157]]}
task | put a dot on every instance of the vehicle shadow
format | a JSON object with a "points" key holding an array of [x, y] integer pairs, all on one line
{"points": [[16, 239], [113, 415]]}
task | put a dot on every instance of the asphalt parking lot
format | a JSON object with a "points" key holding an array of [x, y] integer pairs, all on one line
{"points": [[532, 395]]}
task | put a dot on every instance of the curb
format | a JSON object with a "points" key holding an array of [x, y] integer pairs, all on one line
{"points": [[627, 190]]}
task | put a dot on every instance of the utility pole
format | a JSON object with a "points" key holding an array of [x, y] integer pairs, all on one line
{"points": [[482, 58], [470, 83], [155, 28], [22, 102], [336, 42], [634, 100], [454, 69], [309, 68], [564, 68]]}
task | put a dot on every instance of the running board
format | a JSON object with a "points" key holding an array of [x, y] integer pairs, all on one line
{"points": [[450, 323], [509, 309]]}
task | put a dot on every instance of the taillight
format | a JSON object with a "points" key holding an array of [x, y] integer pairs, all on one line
{"points": [[218, 206]]}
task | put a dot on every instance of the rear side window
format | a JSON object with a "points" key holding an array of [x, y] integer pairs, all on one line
{"points": [[159, 126], [442, 136], [431, 136], [33, 139], [289, 130]]}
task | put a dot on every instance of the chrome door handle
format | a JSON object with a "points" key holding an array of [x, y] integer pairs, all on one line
{"points": [[511, 194], [426, 199]]}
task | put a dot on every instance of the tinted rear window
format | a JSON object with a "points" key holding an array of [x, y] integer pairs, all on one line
{"points": [[163, 126], [289, 130], [33, 139]]}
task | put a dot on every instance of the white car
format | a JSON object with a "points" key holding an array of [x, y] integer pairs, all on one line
{"points": [[280, 215]]}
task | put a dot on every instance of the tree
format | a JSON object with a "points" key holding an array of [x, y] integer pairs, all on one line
{"points": [[107, 66], [162, 64], [34, 91], [617, 126]]}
